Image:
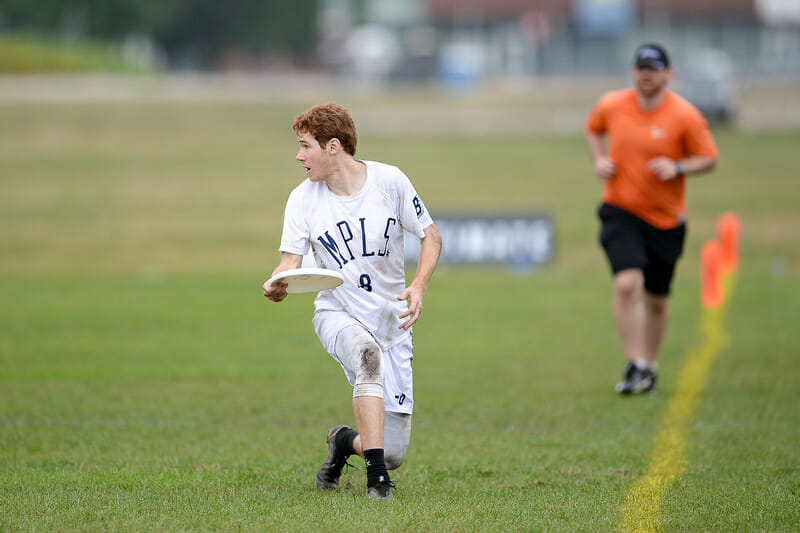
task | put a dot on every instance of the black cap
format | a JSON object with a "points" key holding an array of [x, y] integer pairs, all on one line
{"points": [[651, 56]]}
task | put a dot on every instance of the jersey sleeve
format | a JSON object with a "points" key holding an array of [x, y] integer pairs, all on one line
{"points": [[414, 216], [698, 138], [295, 236], [596, 121]]}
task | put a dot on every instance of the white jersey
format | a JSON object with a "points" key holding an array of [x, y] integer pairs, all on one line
{"points": [[361, 237]]}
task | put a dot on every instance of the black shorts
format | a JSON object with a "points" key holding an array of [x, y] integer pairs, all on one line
{"points": [[630, 242]]}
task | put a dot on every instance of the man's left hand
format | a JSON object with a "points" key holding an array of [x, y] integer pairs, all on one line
{"points": [[663, 167], [414, 297]]}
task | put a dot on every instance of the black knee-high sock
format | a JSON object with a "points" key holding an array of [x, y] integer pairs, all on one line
{"points": [[376, 466]]}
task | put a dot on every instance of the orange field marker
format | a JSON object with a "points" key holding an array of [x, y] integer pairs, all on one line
{"points": [[711, 273], [728, 228]]}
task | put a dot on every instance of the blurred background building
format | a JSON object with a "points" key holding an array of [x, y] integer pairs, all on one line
{"points": [[415, 39], [457, 44]]}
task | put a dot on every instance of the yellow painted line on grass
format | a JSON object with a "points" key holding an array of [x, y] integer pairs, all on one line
{"points": [[642, 510]]}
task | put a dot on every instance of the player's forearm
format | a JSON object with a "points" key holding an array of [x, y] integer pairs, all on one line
{"points": [[429, 251], [696, 164], [288, 262], [596, 144]]}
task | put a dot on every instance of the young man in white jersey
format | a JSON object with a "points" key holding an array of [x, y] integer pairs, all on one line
{"points": [[353, 215]]}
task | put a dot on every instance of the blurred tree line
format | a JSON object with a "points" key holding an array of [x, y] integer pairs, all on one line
{"points": [[187, 33]]}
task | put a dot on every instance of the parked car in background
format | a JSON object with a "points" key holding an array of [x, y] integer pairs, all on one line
{"points": [[707, 78]]}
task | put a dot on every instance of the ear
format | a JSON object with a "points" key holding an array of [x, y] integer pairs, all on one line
{"points": [[333, 146]]}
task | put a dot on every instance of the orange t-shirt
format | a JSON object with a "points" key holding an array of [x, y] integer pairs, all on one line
{"points": [[676, 129]]}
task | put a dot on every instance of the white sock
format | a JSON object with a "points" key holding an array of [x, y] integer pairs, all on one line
{"points": [[644, 364]]}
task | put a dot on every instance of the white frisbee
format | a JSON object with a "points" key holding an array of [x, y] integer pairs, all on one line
{"points": [[308, 279]]}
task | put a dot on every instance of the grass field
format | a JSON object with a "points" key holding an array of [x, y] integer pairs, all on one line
{"points": [[146, 384]]}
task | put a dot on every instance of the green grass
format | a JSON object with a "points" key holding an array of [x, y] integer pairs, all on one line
{"points": [[146, 384]]}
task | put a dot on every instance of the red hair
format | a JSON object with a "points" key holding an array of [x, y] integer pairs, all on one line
{"points": [[328, 121]]}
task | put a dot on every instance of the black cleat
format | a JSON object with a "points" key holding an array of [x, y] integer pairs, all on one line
{"points": [[331, 469], [637, 381], [381, 491]]}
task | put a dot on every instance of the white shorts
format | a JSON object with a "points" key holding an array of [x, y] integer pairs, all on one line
{"points": [[398, 385]]}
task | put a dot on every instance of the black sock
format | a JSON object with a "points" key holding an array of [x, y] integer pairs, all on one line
{"points": [[376, 467], [345, 439]]}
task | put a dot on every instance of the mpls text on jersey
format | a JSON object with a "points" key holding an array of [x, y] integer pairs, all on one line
{"points": [[345, 232]]}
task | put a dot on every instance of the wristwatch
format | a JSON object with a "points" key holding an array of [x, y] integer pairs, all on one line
{"points": [[679, 168]]}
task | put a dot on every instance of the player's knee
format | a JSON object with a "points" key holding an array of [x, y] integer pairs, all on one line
{"points": [[369, 376], [370, 362], [394, 455], [363, 357], [629, 282], [397, 435]]}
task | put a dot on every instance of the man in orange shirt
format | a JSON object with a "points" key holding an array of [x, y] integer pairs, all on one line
{"points": [[644, 141]]}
